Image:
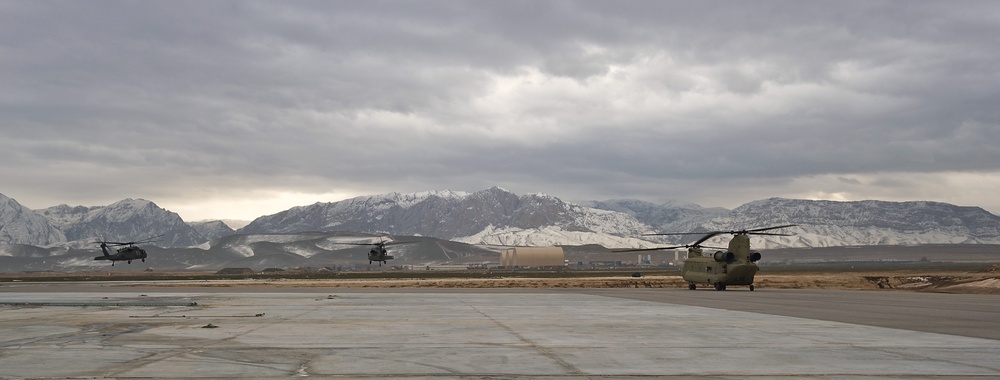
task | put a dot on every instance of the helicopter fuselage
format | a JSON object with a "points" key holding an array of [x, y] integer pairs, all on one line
{"points": [[708, 270], [735, 266], [126, 254], [380, 255]]}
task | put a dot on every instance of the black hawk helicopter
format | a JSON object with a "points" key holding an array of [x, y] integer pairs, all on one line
{"points": [[379, 253], [735, 266], [129, 251]]}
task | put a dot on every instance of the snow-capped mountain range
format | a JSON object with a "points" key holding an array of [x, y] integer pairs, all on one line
{"points": [[491, 216], [78, 227], [498, 216]]}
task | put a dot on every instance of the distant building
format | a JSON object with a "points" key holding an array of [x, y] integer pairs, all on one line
{"points": [[235, 271], [532, 257], [447, 267]]}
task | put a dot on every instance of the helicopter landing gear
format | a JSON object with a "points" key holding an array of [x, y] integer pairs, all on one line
{"points": [[143, 260], [692, 286], [751, 287], [720, 286]]}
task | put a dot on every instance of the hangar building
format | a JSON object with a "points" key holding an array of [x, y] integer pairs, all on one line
{"points": [[532, 257]]}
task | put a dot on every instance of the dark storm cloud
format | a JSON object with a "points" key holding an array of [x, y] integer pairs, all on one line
{"points": [[713, 102]]}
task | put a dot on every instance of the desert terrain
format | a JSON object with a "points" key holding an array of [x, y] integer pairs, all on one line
{"points": [[945, 282], [984, 281]]}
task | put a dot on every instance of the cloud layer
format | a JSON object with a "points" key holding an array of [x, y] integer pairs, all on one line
{"points": [[252, 107]]}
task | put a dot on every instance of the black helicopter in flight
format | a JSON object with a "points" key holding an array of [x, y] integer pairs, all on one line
{"points": [[379, 253], [129, 251]]}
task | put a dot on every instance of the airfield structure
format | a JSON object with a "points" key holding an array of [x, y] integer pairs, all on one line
{"points": [[532, 257]]}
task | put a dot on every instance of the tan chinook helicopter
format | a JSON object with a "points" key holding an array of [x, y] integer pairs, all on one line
{"points": [[735, 266]]}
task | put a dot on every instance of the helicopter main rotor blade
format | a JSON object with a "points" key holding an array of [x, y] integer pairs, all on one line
{"points": [[663, 248], [767, 228], [677, 233], [149, 240], [400, 242], [768, 234], [144, 241], [645, 249], [706, 237], [111, 243], [737, 232]]}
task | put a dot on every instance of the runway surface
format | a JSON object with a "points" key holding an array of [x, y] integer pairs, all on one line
{"points": [[100, 330]]}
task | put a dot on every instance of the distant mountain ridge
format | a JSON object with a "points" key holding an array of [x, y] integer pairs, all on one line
{"points": [[831, 223], [19, 225], [494, 216], [125, 220], [659, 215], [498, 216]]}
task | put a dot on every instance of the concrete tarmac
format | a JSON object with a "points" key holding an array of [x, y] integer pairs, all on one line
{"points": [[115, 332]]}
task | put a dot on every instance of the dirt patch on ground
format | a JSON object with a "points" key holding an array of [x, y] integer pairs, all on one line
{"points": [[980, 283]]}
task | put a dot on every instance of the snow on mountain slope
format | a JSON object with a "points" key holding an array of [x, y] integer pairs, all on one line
{"points": [[549, 236], [496, 215], [133, 220], [19, 225], [212, 229], [458, 216], [830, 223]]}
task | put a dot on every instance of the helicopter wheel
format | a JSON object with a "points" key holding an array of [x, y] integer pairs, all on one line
{"points": [[751, 287], [692, 286], [143, 260], [130, 261], [720, 286]]}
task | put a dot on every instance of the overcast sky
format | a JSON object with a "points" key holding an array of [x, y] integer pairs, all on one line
{"points": [[237, 109]]}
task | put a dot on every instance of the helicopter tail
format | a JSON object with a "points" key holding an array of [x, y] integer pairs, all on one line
{"points": [[101, 258]]}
